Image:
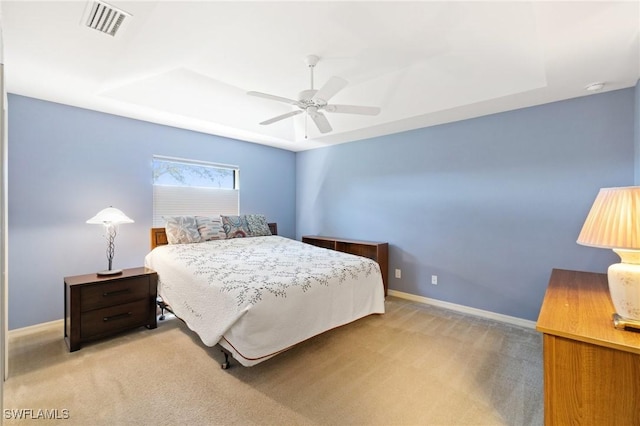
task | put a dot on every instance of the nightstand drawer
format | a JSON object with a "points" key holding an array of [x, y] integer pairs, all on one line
{"points": [[114, 293], [115, 318]]}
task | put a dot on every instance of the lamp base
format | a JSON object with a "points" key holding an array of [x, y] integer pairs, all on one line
{"points": [[624, 284], [110, 272], [622, 323]]}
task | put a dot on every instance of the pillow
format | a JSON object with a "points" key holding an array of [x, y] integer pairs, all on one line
{"points": [[258, 226], [182, 230], [235, 226], [210, 228]]}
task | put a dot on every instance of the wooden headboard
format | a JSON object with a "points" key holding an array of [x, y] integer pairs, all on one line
{"points": [[159, 236]]}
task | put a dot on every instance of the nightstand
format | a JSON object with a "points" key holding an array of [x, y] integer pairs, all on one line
{"points": [[97, 306]]}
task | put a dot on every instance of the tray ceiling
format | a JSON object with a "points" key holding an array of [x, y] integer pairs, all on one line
{"points": [[190, 64]]}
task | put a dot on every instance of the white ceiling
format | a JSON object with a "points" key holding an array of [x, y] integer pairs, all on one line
{"points": [[190, 64]]}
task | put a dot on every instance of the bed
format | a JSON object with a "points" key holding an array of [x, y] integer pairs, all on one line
{"points": [[257, 297]]}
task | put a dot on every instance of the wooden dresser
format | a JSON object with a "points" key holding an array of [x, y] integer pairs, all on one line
{"points": [[99, 306], [591, 369], [373, 250]]}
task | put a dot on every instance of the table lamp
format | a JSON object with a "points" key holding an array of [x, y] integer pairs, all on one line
{"points": [[110, 218], [614, 222]]}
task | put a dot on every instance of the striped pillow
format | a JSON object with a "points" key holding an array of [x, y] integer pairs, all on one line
{"points": [[210, 228]]}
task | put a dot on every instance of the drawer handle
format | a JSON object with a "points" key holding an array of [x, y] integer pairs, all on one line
{"points": [[115, 293], [115, 317]]}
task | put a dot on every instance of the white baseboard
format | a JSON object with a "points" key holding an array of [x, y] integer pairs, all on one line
{"points": [[464, 309], [19, 332]]}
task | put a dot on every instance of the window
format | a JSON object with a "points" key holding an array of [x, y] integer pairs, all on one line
{"points": [[189, 187]]}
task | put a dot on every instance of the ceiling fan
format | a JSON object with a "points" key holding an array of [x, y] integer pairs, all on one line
{"points": [[313, 102]]}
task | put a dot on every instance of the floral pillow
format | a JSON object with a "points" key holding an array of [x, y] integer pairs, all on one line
{"points": [[235, 226], [182, 230], [210, 228], [258, 226]]}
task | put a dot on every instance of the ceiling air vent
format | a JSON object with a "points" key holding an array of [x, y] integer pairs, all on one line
{"points": [[104, 17]]}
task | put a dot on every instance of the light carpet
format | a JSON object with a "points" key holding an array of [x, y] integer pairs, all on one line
{"points": [[415, 365]]}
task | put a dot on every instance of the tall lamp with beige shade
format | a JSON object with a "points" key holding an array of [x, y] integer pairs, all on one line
{"points": [[614, 222]]}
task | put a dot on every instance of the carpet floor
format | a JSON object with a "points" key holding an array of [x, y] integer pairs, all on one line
{"points": [[414, 365]]}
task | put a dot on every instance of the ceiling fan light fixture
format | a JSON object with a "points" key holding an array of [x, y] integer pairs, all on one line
{"points": [[313, 101]]}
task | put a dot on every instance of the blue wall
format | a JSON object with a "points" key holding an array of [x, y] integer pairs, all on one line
{"points": [[66, 164], [490, 205]]}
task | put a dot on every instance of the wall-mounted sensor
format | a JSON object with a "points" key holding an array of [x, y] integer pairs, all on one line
{"points": [[594, 87]]}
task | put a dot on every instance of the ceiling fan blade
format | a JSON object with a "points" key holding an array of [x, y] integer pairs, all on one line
{"points": [[353, 109], [273, 97], [281, 117], [321, 121], [330, 88]]}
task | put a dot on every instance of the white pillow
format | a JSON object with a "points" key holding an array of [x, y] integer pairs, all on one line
{"points": [[182, 230]]}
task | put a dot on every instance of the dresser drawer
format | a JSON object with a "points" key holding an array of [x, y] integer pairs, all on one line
{"points": [[115, 318], [114, 293]]}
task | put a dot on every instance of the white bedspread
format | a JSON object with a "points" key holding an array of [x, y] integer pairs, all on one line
{"points": [[259, 296]]}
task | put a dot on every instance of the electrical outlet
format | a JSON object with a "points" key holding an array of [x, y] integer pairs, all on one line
{"points": [[434, 279], [398, 273]]}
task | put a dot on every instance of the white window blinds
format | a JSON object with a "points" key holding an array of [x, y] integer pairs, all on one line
{"points": [[186, 187]]}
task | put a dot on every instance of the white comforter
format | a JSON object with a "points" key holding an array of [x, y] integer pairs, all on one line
{"points": [[259, 296]]}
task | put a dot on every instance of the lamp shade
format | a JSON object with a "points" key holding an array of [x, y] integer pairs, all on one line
{"points": [[614, 220], [110, 215]]}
